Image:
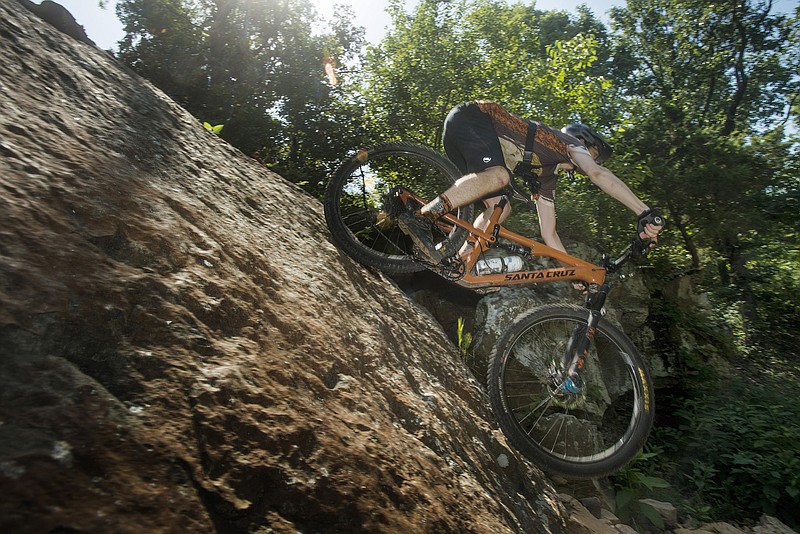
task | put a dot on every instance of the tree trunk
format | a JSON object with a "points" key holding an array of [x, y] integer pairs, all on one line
{"points": [[677, 220], [741, 278]]}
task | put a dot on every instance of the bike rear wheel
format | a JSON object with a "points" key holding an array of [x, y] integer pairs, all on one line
{"points": [[355, 196], [576, 432]]}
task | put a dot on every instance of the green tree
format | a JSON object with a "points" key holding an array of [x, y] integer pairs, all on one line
{"points": [[419, 71], [449, 52], [255, 66], [710, 83]]}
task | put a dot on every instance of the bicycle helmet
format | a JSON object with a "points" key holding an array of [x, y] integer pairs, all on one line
{"points": [[590, 138]]}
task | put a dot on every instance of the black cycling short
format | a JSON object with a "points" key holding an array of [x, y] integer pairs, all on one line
{"points": [[470, 140]]}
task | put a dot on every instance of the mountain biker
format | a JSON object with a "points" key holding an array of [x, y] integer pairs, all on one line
{"points": [[486, 143]]}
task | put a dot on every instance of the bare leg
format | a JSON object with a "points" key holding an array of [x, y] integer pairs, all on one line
{"points": [[482, 220], [467, 189]]}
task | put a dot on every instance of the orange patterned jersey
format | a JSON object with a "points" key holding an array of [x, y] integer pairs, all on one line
{"points": [[550, 148]]}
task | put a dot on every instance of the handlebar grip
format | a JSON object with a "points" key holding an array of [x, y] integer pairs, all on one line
{"points": [[649, 217]]}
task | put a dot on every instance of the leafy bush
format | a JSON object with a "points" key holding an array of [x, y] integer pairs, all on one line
{"points": [[635, 482], [740, 451]]}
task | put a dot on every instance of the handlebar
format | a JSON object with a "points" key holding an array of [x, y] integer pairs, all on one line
{"points": [[638, 248]]}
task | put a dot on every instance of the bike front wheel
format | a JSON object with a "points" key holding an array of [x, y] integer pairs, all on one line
{"points": [[355, 197], [586, 428]]}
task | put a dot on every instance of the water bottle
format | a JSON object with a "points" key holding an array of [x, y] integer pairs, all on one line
{"points": [[507, 264]]}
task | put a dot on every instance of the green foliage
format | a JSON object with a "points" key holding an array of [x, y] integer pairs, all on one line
{"points": [[475, 361], [739, 451], [257, 66], [449, 52], [726, 64], [464, 338], [774, 332], [707, 101], [636, 482], [711, 81], [213, 129]]}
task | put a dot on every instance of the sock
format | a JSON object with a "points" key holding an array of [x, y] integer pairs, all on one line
{"points": [[437, 207]]}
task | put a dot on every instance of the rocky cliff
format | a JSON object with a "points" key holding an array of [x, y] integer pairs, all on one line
{"points": [[182, 349]]}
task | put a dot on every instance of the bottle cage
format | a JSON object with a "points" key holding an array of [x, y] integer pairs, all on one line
{"points": [[524, 175]]}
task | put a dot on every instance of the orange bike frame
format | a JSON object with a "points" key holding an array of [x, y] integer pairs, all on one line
{"points": [[572, 268]]}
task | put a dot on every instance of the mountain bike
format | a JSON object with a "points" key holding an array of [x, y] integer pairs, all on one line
{"points": [[569, 389]]}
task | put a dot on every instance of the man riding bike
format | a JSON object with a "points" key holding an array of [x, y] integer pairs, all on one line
{"points": [[486, 143]]}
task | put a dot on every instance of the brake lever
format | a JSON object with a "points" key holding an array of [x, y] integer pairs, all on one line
{"points": [[640, 247]]}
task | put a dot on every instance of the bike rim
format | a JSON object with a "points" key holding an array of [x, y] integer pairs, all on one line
{"points": [[585, 427], [361, 197]]}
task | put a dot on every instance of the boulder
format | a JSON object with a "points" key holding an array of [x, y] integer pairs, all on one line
{"points": [[183, 349]]}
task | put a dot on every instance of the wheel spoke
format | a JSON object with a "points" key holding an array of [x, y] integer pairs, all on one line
{"points": [[355, 197], [589, 418]]}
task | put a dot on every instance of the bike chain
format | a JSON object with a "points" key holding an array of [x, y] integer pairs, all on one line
{"points": [[453, 268]]}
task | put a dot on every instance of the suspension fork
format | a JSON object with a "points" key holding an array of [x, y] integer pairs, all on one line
{"points": [[582, 336]]}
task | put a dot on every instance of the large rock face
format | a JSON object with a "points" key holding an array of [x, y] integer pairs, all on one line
{"points": [[182, 349]]}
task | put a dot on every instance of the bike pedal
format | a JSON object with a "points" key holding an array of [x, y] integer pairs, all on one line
{"points": [[392, 205], [420, 233]]}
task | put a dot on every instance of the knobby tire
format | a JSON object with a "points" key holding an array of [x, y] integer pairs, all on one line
{"points": [[576, 435], [355, 195]]}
